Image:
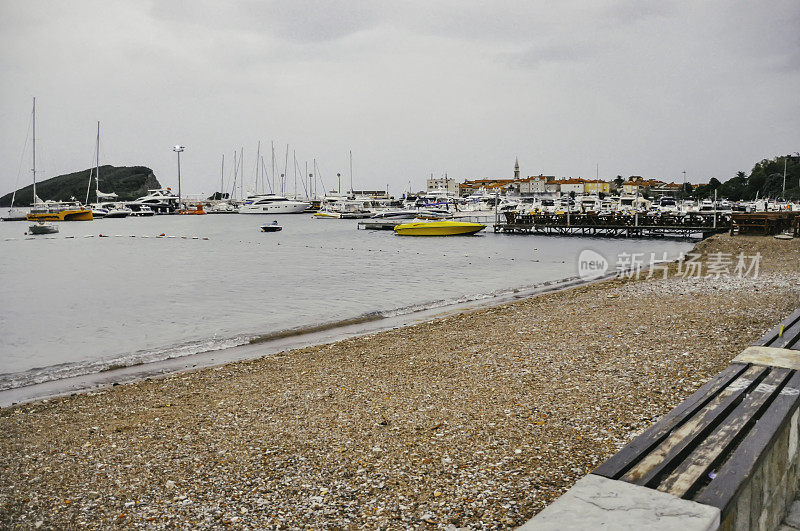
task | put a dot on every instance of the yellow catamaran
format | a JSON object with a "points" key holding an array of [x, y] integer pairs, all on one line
{"points": [[55, 211]]}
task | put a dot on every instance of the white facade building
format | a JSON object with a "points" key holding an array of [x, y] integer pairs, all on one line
{"points": [[446, 184]]}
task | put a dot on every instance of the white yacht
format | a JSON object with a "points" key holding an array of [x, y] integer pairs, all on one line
{"points": [[161, 201], [139, 210], [112, 209], [272, 204]]}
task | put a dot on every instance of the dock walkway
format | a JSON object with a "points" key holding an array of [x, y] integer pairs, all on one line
{"points": [[617, 225]]}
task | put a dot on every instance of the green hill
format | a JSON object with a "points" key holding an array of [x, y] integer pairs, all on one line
{"points": [[128, 182]]}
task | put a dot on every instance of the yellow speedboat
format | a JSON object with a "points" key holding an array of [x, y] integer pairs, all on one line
{"points": [[327, 214], [438, 228]]}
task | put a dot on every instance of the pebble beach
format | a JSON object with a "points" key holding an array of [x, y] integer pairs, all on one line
{"points": [[475, 420]]}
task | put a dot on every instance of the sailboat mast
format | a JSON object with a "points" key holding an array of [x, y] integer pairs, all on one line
{"points": [[241, 165], [34, 150], [222, 177], [284, 176], [272, 144], [258, 161], [97, 166], [351, 172]]}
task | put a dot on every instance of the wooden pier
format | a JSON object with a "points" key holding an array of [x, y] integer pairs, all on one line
{"points": [[765, 223], [617, 225], [381, 224]]}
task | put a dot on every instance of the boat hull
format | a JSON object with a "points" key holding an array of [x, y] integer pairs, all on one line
{"points": [[327, 214], [439, 228], [42, 229], [279, 207], [63, 215]]}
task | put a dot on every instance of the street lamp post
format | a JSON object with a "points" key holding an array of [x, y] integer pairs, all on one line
{"points": [[178, 150]]}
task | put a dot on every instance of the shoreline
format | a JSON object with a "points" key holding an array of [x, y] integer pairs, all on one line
{"points": [[273, 343], [472, 419]]}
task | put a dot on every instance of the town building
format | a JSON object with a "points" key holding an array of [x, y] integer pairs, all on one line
{"points": [[534, 185], [446, 184], [596, 186], [567, 186], [636, 184]]}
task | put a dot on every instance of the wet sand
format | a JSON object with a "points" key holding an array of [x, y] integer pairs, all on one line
{"points": [[474, 420]]}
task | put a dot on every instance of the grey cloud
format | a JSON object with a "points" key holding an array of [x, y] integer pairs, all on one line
{"points": [[299, 21], [632, 11], [537, 55]]}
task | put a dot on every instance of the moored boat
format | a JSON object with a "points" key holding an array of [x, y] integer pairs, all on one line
{"points": [[59, 211], [198, 211], [438, 228], [160, 201], [15, 213], [42, 228], [271, 227], [139, 210], [272, 204]]}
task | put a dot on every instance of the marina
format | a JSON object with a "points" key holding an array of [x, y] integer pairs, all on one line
{"points": [[366, 265]]}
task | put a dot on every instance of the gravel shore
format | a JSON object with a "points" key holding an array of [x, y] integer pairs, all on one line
{"points": [[473, 420]]}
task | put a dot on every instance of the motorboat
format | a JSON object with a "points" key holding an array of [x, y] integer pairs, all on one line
{"points": [[272, 204], [396, 214], [114, 209], [59, 211], [335, 208], [438, 228], [160, 201], [271, 227], [42, 228], [221, 207], [139, 210], [98, 212], [327, 212], [198, 211]]}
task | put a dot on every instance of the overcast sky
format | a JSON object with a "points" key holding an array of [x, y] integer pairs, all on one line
{"points": [[648, 88]]}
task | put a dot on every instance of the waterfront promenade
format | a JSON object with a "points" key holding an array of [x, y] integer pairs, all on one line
{"points": [[479, 419]]}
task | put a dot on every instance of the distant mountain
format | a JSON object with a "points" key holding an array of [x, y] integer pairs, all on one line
{"points": [[128, 182]]}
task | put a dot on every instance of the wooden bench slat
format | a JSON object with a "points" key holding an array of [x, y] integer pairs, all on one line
{"points": [[630, 454], [688, 475], [792, 320], [683, 439], [734, 473], [789, 339]]}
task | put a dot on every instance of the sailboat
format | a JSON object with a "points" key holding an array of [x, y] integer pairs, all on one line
{"points": [[105, 206], [53, 210], [16, 213]]}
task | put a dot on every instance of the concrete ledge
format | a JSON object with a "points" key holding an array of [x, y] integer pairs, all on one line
{"points": [[596, 502], [771, 357]]}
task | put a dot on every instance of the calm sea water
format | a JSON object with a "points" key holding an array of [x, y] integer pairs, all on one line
{"points": [[72, 304]]}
